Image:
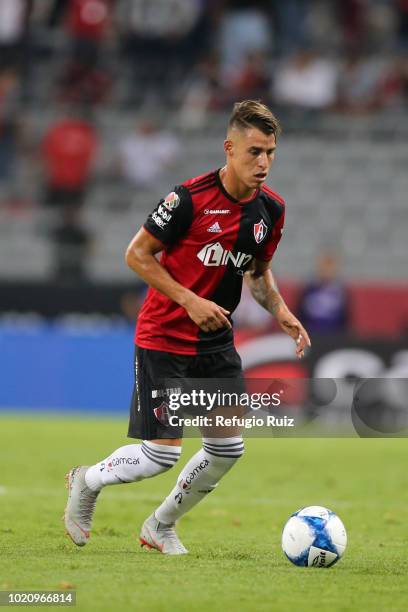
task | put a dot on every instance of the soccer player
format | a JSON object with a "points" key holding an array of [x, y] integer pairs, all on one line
{"points": [[212, 230]]}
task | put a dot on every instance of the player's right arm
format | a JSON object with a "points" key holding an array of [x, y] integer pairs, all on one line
{"points": [[140, 257]]}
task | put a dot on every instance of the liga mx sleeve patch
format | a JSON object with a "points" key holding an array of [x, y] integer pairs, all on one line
{"points": [[171, 201], [172, 216]]}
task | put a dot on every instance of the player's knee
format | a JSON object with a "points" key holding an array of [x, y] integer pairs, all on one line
{"points": [[159, 442]]}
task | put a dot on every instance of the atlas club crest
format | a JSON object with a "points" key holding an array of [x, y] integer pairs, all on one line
{"points": [[260, 230], [162, 414]]}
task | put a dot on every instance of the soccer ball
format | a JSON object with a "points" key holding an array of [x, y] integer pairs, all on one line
{"points": [[314, 537]]}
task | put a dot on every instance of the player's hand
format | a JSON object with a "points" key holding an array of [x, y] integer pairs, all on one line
{"points": [[206, 314], [290, 325]]}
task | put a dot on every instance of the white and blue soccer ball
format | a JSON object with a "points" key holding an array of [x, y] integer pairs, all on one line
{"points": [[314, 537]]}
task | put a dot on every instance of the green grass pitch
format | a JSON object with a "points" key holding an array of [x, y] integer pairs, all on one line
{"points": [[235, 561]]}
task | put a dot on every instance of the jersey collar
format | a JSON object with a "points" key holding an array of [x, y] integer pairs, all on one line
{"points": [[229, 196]]}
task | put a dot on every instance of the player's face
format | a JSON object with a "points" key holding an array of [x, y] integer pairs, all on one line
{"points": [[251, 153]]}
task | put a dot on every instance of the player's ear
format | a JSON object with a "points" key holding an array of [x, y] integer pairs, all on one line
{"points": [[228, 146]]}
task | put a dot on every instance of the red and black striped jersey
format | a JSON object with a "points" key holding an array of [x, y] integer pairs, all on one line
{"points": [[209, 239]]}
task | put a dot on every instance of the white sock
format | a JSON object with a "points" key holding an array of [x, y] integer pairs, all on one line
{"points": [[200, 476], [132, 463]]}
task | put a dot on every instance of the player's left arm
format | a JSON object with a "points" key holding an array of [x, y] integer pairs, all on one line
{"points": [[265, 291]]}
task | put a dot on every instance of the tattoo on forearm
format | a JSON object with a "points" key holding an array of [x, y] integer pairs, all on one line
{"points": [[266, 295]]}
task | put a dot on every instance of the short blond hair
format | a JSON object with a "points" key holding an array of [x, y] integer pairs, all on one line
{"points": [[252, 113]]}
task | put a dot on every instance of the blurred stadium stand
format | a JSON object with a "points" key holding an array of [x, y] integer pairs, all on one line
{"points": [[342, 168], [344, 181]]}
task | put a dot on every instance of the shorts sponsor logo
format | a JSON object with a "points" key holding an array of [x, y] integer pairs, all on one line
{"points": [[165, 392], [222, 211], [260, 230], [171, 201], [185, 484], [214, 255]]}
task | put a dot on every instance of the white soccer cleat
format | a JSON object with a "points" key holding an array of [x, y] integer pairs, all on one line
{"points": [[80, 506], [160, 536]]}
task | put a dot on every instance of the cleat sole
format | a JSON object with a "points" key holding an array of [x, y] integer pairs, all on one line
{"points": [[144, 544], [149, 546]]}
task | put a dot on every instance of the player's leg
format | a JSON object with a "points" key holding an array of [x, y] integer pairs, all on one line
{"points": [[200, 476], [220, 451], [129, 463], [155, 454]]}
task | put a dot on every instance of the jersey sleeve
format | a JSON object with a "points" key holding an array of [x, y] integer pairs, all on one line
{"points": [[172, 217], [270, 247]]}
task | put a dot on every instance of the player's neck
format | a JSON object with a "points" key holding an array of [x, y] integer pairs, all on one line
{"points": [[232, 185]]}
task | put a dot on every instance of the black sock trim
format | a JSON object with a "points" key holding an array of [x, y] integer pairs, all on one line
{"points": [[162, 455], [221, 446], [165, 465], [237, 456], [146, 443]]}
